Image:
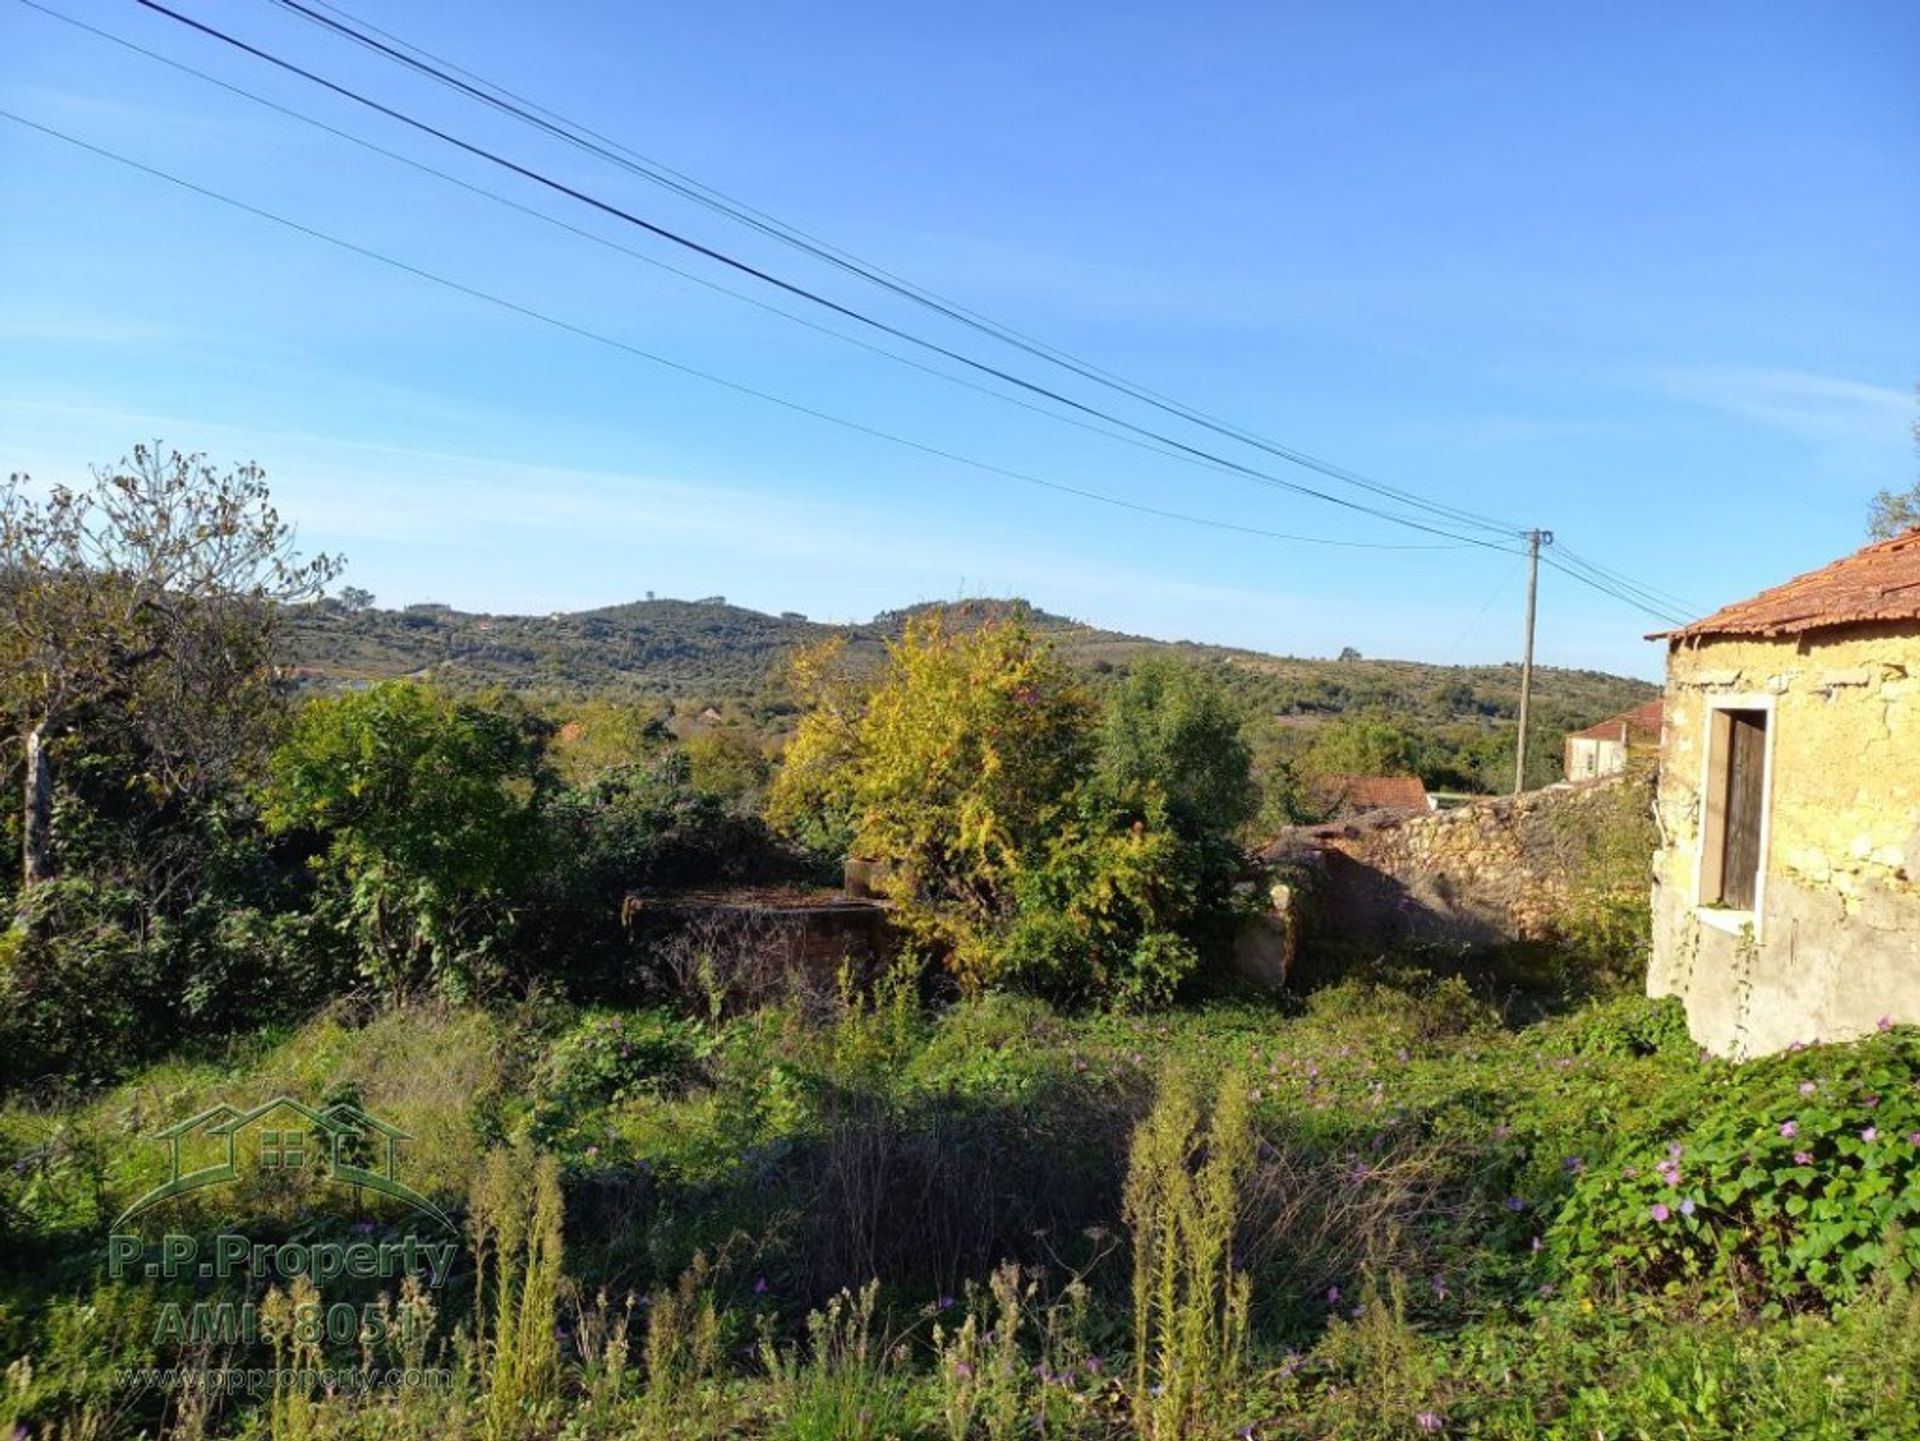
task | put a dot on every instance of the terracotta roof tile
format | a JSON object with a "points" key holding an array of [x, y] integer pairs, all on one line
{"points": [[1642, 723], [1371, 793], [1878, 583]]}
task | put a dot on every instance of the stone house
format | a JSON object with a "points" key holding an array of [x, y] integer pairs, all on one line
{"points": [[1604, 749], [1785, 901]]}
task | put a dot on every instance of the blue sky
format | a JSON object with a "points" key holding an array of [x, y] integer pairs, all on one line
{"points": [[1644, 275]]}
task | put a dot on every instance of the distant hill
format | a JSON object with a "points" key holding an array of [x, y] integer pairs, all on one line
{"points": [[690, 655]]}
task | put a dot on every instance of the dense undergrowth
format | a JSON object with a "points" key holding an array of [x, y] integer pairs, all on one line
{"points": [[1384, 1210]]}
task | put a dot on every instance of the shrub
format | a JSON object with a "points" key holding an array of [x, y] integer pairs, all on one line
{"points": [[1094, 912], [423, 807], [609, 1058], [1171, 727], [1028, 842], [1605, 924], [1632, 1026], [1799, 1182]]}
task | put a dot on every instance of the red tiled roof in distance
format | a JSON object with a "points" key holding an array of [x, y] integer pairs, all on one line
{"points": [[1642, 723], [1878, 583], [1371, 793]]}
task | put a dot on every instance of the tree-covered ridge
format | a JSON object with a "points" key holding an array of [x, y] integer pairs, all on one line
{"points": [[708, 653]]}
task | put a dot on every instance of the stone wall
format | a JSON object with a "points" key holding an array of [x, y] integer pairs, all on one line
{"points": [[1833, 943], [772, 929], [1488, 873]]}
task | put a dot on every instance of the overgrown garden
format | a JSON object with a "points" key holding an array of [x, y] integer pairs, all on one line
{"points": [[1043, 1170]]}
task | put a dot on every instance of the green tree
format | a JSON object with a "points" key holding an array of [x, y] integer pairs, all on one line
{"points": [[1026, 837], [598, 735], [729, 764], [1891, 512], [969, 749], [951, 770], [147, 604], [811, 802], [425, 811], [1172, 725], [1362, 746]]}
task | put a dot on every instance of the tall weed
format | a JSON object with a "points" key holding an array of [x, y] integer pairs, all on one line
{"points": [[1190, 1302]]}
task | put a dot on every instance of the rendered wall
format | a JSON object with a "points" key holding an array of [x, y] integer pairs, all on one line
{"points": [[1834, 944]]}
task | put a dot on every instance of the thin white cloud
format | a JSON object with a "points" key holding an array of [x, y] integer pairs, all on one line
{"points": [[1823, 408]]}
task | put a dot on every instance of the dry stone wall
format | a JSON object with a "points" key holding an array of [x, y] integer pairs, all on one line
{"points": [[1487, 873]]}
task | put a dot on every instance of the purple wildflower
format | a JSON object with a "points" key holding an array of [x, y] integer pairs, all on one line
{"points": [[1805, 1158], [1516, 1205], [1885, 1023], [1871, 1133], [1789, 1129], [1686, 1207], [1660, 1212], [1807, 1088], [962, 1370], [1333, 1295], [760, 1286], [1428, 1421]]}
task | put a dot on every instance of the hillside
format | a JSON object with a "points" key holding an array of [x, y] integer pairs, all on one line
{"points": [[691, 655]]}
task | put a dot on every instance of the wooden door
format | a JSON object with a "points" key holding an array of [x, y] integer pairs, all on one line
{"points": [[1746, 804]]}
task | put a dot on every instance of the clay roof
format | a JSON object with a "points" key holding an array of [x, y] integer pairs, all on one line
{"points": [[1371, 793], [1642, 723], [1878, 583]]}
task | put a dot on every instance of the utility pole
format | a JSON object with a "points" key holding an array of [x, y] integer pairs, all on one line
{"points": [[1535, 539]]}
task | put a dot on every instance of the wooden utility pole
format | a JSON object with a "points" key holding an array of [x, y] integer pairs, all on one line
{"points": [[1535, 539]]}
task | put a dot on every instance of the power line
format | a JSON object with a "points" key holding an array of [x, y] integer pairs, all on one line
{"points": [[425, 62], [1207, 457], [1481, 614], [769, 397], [614, 245], [1608, 583], [1619, 593], [1650, 592]]}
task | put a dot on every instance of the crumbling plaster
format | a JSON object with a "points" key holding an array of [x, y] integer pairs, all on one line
{"points": [[1834, 944]]}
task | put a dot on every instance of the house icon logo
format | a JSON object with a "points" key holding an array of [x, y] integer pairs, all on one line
{"points": [[342, 1144]]}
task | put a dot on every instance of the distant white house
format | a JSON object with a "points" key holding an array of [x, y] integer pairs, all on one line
{"points": [[1605, 749]]}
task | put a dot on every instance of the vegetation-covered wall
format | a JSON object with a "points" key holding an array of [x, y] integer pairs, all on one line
{"points": [[1496, 872]]}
